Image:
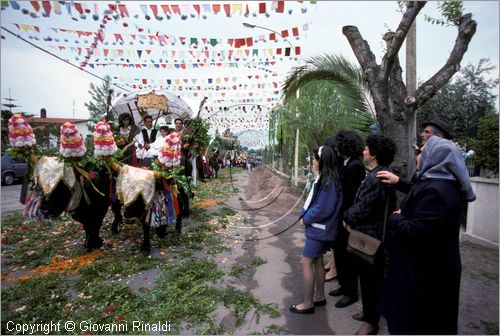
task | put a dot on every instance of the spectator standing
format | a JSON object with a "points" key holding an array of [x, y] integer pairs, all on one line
{"points": [[423, 281], [367, 215], [349, 147], [321, 218]]}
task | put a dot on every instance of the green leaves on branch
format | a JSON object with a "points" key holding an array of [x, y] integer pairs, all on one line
{"points": [[452, 11], [332, 97], [486, 144], [346, 78]]}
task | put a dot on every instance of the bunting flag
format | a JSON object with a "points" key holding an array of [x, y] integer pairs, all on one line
{"points": [[168, 39], [185, 11], [132, 47]]}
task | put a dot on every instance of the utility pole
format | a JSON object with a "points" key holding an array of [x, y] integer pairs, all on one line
{"points": [[296, 152], [411, 87]]}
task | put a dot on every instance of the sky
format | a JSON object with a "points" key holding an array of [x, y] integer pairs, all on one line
{"points": [[36, 79]]}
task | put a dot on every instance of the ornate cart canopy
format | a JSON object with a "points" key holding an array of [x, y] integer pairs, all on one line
{"points": [[158, 104]]}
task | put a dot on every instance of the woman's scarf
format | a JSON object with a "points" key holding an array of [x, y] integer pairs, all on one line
{"points": [[442, 159]]}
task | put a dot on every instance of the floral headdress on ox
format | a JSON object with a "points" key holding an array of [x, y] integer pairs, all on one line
{"points": [[168, 166], [71, 145], [23, 145], [170, 153], [21, 137], [104, 143]]}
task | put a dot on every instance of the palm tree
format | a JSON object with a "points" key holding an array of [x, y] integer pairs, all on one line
{"points": [[332, 97]]}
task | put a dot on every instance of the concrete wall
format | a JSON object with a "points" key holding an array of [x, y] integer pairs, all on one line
{"points": [[483, 213]]}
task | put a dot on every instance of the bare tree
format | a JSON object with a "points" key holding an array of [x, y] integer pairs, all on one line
{"points": [[392, 103]]}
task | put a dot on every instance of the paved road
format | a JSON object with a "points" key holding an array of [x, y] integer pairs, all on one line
{"points": [[10, 200]]}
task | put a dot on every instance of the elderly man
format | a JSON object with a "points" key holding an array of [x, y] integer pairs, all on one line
{"points": [[437, 126]]}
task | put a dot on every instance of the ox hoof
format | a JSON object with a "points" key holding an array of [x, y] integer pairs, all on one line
{"points": [[114, 226], [93, 244], [161, 231], [145, 249]]}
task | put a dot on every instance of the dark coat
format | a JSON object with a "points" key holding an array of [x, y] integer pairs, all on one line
{"points": [[367, 212], [352, 174], [423, 281]]}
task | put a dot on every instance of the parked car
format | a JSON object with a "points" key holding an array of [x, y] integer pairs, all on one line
{"points": [[12, 169]]}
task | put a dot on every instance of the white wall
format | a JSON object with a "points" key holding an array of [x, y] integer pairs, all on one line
{"points": [[483, 213]]}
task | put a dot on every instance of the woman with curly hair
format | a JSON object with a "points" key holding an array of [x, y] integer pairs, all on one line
{"points": [[349, 146], [321, 218], [367, 215]]}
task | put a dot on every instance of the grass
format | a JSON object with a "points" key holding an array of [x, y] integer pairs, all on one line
{"points": [[188, 291], [490, 328]]}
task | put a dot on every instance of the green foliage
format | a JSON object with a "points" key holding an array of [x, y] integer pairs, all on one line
{"points": [[346, 78], [332, 97], [226, 142], [98, 106], [47, 137], [174, 176], [486, 144], [464, 100], [451, 11], [198, 137], [179, 284]]}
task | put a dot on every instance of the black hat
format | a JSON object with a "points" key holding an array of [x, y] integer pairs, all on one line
{"points": [[442, 124]]}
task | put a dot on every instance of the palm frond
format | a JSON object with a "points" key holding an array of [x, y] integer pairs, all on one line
{"points": [[346, 77]]}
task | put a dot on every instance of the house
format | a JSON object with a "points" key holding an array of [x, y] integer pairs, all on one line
{"points": [[38, 123]]}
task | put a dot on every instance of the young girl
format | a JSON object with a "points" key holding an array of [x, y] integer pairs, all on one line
{"points": [[160, 140], [321, 218]]}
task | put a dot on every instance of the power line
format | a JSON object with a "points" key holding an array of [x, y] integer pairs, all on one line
{"points": [[59, 58]]}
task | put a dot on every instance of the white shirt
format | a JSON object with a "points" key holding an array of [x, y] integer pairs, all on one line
{"points": [[141, 152]]}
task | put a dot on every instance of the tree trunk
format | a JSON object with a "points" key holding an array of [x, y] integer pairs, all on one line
{"points": [[393, 105]]}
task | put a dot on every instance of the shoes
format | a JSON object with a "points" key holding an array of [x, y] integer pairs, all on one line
{"points": [[347, 300], [320, 303], [336, 292], [330, 279], [358, 316], [367, 329], [293, 309]]}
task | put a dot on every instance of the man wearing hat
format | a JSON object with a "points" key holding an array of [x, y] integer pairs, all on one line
{"points": [[437, 126]]}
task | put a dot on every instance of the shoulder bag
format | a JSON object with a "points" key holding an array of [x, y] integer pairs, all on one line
{"points": [[363, 245]]}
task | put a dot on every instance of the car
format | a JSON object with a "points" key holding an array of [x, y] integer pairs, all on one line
{"points": [[12, 169]]}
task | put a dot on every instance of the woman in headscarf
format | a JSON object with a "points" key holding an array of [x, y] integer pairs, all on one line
{"points": [[423, 281]]}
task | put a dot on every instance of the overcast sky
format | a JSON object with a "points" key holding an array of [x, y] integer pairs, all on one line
{"points": [[38, 80]]}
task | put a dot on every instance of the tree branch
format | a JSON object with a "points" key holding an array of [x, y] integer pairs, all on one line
{"points": [[466, 31], [365, 56], [399, 37], [362, 52]]}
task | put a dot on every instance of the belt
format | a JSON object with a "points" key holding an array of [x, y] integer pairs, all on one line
{"points": [[319, 226]]}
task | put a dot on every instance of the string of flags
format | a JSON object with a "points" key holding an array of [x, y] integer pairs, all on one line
{"points": [[185, 56], [63, 35], [84, 9], [130, 44]]}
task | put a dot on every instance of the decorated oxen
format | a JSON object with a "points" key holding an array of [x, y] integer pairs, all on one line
{"points": [[83, 186], [156, 198]]}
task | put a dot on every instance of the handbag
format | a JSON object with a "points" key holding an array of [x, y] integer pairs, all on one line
{"points": [[363, 245]]}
